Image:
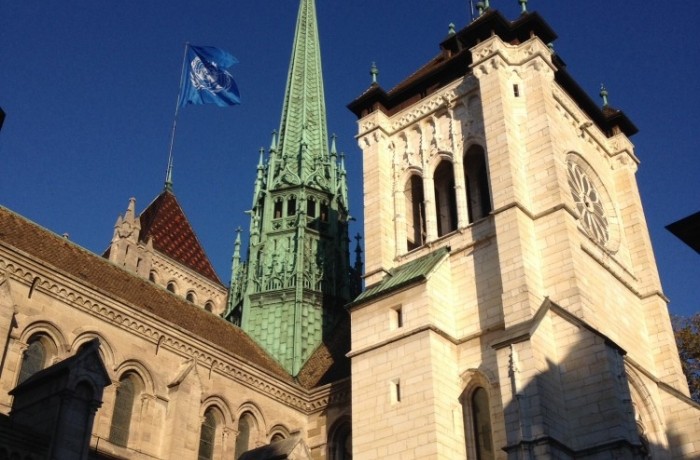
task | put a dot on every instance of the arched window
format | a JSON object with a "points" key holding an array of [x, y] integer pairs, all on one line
{"points": [[190, 297], [311, 207], [209, 306], [129, 387], [171, 287], [34, 358], [477, 183], [445, 200], [278, 209], [477, 425], [152, 277], [340, 443], [246, 425], [292, 205], [415, 212], [324, 211], [207, 435], [276, 437]]}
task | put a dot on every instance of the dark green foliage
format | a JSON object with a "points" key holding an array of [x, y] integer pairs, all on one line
{"points": [[687, 332]]}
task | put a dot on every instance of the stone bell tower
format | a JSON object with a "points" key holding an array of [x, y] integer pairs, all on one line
{"points": [[513, 307]]}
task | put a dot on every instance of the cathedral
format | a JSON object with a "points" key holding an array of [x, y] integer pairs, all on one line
{"points": [[508, 305]]}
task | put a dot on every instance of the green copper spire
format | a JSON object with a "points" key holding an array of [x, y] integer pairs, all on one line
{"points": [[303, 132], [289, 295]]}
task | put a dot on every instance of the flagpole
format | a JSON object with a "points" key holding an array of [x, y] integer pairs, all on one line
{"points": [[169, 171]]}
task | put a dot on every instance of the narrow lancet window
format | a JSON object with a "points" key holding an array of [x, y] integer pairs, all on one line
{"points": [[311, 207], [481, 421], [245, 428], [445, 200], [415, 212], [477, 183], [207, 436], [277, 209], [123, 410]]}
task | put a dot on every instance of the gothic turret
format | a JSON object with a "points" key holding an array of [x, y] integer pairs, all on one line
{"points": [[290, 293]]}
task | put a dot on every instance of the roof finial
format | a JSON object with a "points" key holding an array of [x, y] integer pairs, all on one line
{"points": [[358, 253], [273, 144], [480, 7], [334, 152], [451, 29], [604, 94], [169, 174], [523, 5], [373, 71]]}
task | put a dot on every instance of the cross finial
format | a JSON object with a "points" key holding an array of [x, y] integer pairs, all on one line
{"points": [[373, 71], [451, 29]]}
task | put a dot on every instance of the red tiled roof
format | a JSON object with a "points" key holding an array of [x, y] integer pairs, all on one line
{"points": [[329, 362], [97, 273], [165, 222]]}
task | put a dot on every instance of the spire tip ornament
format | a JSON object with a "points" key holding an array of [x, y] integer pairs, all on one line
{"points": [[374, 72], [604, 94], [523, 6]]}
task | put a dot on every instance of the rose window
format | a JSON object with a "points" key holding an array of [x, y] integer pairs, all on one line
{"points": [[588, 204]]}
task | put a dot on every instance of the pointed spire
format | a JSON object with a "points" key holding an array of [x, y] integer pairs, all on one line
{"points": [[451, 29], [260, 158], [130, 210], [358, 253], [236, 255], [304, 109], [273, 143], [334, 152]]}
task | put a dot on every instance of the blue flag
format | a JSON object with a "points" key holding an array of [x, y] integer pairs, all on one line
{"points": [[206, 80]]}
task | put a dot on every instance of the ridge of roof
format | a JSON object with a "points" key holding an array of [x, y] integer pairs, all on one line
{"points": [[85, 267], [165, 222]]}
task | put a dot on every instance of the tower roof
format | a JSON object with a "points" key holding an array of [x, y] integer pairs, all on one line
{"points": [[454, 61], [304, 110], [165, 222]]}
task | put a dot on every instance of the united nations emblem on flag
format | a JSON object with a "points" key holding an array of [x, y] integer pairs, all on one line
{"points": [[207, 81], [209, 78]]}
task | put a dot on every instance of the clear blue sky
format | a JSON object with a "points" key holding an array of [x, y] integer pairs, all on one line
{"points": [[89, 87]]}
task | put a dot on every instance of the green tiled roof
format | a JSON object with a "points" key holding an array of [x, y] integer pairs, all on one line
{"points": [[404, 275]]}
